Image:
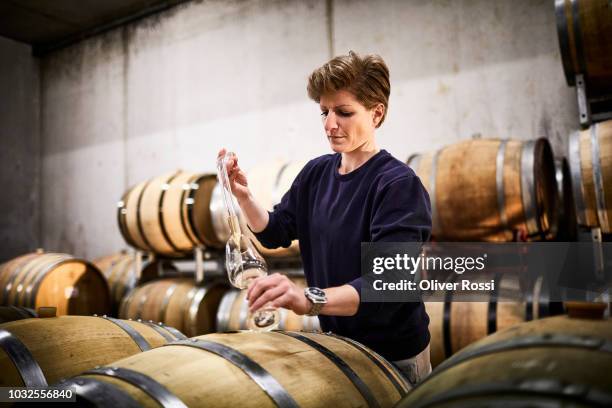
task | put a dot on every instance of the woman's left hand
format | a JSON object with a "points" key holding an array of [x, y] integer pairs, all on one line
{"points": [[280, 291]]}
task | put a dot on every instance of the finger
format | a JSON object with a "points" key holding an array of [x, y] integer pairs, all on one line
{"points": [[268, 296], [221, 153], [282, 301], [229, 166], [261, 284], [252, 285], [241, 179], [232, 177], [259, 287], [237, 174]]}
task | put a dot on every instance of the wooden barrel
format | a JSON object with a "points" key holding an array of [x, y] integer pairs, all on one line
{"points": [[490, 190], [233, 311], [72, 285], [558, 361], [584, 29], [590, 159], [8, 268], [219, 216], [12, 313], [169, 214], [268, 183], [177, 302], [457, 324], [120, 271], [41, 351], [247, 369], [566, 221]]}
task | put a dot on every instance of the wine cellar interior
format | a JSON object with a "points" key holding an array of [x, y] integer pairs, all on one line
{"points": [[118, 230]]}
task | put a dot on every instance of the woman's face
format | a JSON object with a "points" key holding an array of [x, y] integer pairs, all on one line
{"points": [[348, 124]]}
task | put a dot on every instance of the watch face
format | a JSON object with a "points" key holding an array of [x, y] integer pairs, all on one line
{"points": [[317, 294]]}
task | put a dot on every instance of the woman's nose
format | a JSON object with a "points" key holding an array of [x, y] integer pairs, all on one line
{"points": [[330, 123]]}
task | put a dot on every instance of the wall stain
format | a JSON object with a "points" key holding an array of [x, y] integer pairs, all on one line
{"points": [[443, 89]]}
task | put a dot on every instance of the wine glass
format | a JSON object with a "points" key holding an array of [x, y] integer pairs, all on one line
{"points": [[242, 260]]}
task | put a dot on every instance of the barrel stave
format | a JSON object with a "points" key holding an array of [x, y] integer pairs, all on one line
{"points": [[490, 189], [304, 374], [64, 346]]}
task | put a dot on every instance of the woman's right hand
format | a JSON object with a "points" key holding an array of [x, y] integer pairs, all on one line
{"points": [[237, 177]]}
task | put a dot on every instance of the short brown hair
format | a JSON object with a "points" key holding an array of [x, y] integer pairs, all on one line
{"points": [[367, 78]]}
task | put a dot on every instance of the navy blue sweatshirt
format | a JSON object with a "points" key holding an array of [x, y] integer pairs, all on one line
{"points": [[331, 214]]}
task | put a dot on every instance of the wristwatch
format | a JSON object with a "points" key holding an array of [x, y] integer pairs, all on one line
{"points": [[317, 297]]}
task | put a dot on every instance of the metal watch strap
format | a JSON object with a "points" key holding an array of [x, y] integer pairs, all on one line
{"points": [[315, 308]]}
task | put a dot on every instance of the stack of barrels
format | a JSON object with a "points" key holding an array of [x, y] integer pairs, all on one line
{"points": [[493, 190], [168, 217], [124, 271], [169, 214], [172, 214], [584, 30], [178, 302]]}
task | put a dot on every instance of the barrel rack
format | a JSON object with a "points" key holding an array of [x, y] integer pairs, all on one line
{"points": [[205, 261], [601, 269], [591, 108], [211, 262]]}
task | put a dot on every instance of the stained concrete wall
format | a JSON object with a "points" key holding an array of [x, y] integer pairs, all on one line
{"points": [[167, 92], [20, 150]]}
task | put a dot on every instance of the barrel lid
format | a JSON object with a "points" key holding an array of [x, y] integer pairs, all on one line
{"points": [[586, 310], [47, 311]]}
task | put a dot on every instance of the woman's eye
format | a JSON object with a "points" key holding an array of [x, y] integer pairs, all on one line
{"points": [[345, 114], [324, 114]]}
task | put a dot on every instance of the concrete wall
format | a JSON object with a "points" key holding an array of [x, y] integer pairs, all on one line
{"points": [[20, 152], [169, 91]]}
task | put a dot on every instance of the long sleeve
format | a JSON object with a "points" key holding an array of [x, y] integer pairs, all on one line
{"points": [[402, 213], [282, 227]]}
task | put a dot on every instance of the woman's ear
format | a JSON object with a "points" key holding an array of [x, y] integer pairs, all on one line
{"points": [[377, 114]]}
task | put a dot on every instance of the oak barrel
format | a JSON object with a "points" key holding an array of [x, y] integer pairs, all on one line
{"points": [[490, 190], [41, 351], [584, 28], [246, 369], [558, 361], [268, 183], [177, 302], [457, 324], [590, 159], [567, 222], [120, 271], [234, 308], [169, 214], [72, 285]]}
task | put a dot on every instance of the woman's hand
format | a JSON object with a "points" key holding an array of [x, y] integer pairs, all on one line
{"points": [[237, 177], [280, 291], [256, 216]]}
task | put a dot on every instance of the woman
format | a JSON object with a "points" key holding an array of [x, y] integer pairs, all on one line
{"points": [[360, 193]]}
